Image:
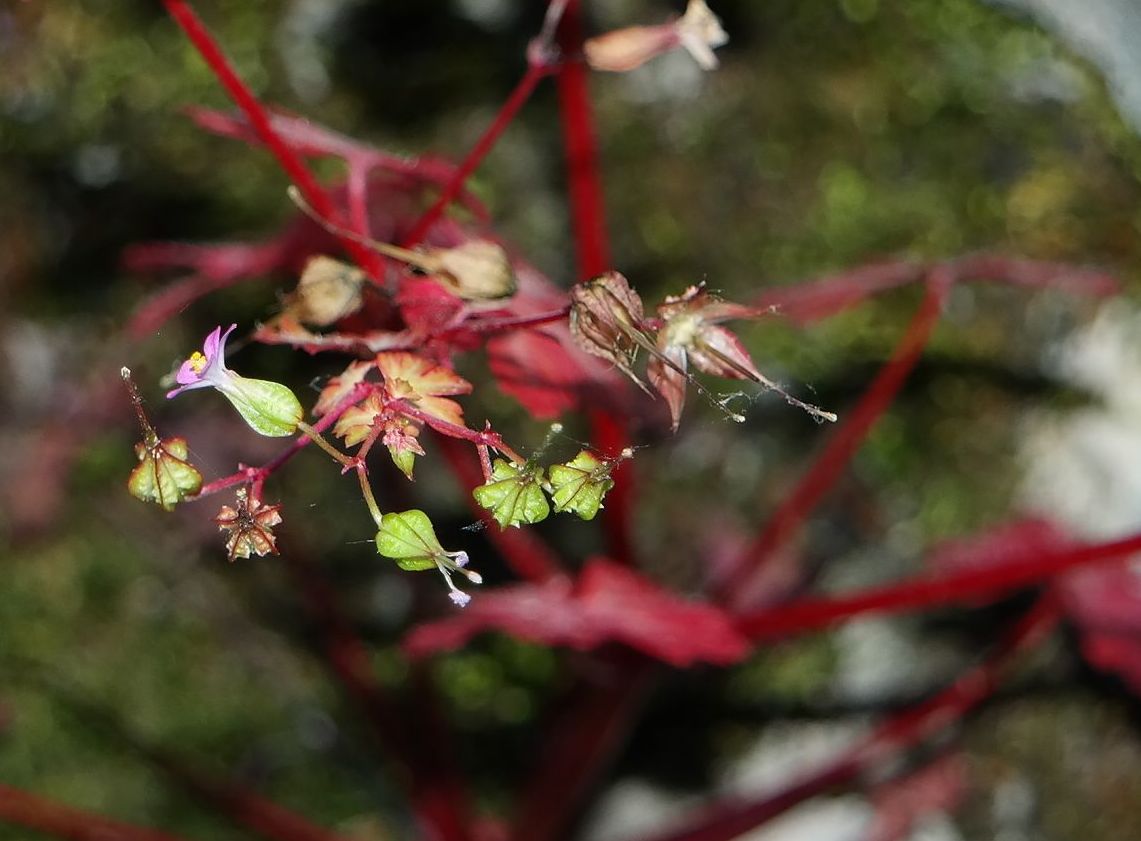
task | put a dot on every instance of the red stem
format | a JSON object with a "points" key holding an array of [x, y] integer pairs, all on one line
{"points": [[989, 583], [259, 119], [588, 208], [474, 158], [42, 815], [592, 250], [581, 742], [731, 818], [438, 797], [841, 446]]}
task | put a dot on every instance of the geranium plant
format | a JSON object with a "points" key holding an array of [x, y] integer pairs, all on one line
{"points": [[390, 318]]}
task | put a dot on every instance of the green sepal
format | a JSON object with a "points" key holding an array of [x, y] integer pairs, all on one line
{"points": [[579, 485], [409, 539], [405, 460], [514, 495], [268, 408], [163, 475]]}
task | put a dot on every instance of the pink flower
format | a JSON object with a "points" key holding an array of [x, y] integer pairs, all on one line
{"points": [[268, 408], [205, 368]]}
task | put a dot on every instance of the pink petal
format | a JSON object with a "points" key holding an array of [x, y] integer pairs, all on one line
{"points": [[720, 353], [186, 374], [213, 341], [668, 381]]}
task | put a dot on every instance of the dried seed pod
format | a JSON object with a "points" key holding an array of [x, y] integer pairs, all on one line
{"points": [[327, 291], [249, 526], [606, 321]]}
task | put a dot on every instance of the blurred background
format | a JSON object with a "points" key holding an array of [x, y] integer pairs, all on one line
{"points": [[836, 133]]}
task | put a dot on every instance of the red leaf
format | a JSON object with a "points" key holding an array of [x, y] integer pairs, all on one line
{"points": [[427, 307], [608, 603]]}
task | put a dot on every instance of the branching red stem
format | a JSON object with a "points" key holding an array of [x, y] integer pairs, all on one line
{"points": [[975, 584], [731, 818], [259, 119], [581, 742], [841, 446], [257, 475], [437, 795], [592, 250]]}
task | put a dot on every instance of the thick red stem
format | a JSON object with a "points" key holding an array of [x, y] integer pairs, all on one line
{"points": [[413, 744], [841, 446], [259, 119], [592, 251], [582, 741], [588, 208], [972, 585], [732, 818]]}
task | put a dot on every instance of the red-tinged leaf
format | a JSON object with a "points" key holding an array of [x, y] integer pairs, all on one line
{"points": [[903, 803], [608, 603], [216, 261], [338, 388], [427, 307], [536, 369], [823, 297], [1037, 274], [423, 383], [421, 377]]}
